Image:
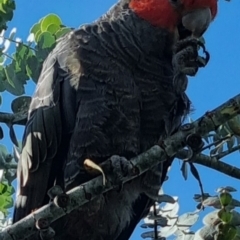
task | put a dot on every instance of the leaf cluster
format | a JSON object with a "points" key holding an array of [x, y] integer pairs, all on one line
{"points": [[6, 12]]}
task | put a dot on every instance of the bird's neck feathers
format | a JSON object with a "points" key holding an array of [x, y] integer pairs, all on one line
{"points": [[159, 13], [148, 38]]}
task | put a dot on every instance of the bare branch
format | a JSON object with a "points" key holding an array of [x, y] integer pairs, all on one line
{"points": [[13, 118], [212, 162], [138, 165]]}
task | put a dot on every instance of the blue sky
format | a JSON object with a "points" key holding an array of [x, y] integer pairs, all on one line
{"points": [[215, 84]]}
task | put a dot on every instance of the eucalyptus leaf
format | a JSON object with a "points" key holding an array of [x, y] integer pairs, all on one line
{"points": [[53, 28], [13, 135], [13, 85], [33, 67], [3, 188], [184, 170], [6, 202], [62, 32], [35, 28], [1, 133], [21, 104], [46, 40], [50, 19], [186, 220]]}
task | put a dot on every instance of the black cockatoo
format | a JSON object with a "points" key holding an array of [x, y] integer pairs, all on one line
{"points": [[107, 89]]}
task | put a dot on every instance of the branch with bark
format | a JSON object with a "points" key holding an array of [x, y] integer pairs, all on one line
{"points": [[13, 118], [64, 203], [211, 162]]}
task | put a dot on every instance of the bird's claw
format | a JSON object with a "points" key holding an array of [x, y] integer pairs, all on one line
{"points": [[120, 168], [186, 59]]}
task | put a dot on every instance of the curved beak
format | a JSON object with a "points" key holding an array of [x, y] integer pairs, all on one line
{"points": [[197, 21]]}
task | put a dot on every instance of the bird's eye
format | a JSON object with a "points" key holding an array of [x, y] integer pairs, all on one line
{"points": [[175, 3]]}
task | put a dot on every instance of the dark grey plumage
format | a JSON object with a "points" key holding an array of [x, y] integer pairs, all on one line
{"points": [[106, 89]]}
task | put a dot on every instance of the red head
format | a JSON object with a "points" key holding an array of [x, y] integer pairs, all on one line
{"points": [[168, 13]]}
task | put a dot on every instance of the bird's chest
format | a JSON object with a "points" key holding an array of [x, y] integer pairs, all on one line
{"points": [[159, 103]]}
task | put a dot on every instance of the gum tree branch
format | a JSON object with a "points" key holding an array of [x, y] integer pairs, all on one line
{"points": [[87, 192], [13, 118], [211, 162]]}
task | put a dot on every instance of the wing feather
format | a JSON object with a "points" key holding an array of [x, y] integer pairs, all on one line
{"points": [[43, 135]]}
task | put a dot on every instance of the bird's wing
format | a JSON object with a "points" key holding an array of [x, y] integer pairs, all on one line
{"points": [[51, 119]]}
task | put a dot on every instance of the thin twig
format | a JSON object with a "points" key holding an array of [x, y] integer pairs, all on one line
{"points": [[14, 41], [216, 142], [212, 162], [13, 118], [227, 152]]}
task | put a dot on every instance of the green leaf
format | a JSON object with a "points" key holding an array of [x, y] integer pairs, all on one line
{"points": [[5, 202], [3, 188], [10, 191], [50, 19], [225, 216], [33, 67], [13, 135], [46, 40], [10, 176], [22, 51], [2, 10], [20, 62], [36, 36], [21, 104], [17, 86], [6, 12], [2, 79], [62, 32], [2, 59], [9, 79], [3, 150], [53, 28], [35, 28], [225, 198], [227, 232], [1, 135], [2, 86]]}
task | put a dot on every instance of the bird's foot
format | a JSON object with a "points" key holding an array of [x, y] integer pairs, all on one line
{"points": [[186, 59], [151, 182], [120, 168]]}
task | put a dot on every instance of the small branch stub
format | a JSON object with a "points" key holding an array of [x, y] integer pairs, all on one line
{"points": [[45, 231], [42, 223], [194, 141], [61, 200]]}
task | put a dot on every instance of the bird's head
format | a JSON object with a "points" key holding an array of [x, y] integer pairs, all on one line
{"points": [[194, 15]]}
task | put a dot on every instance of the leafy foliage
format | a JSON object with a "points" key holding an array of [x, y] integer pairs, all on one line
{"points": [[26, 62], [220, 224], [6, 12]]}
